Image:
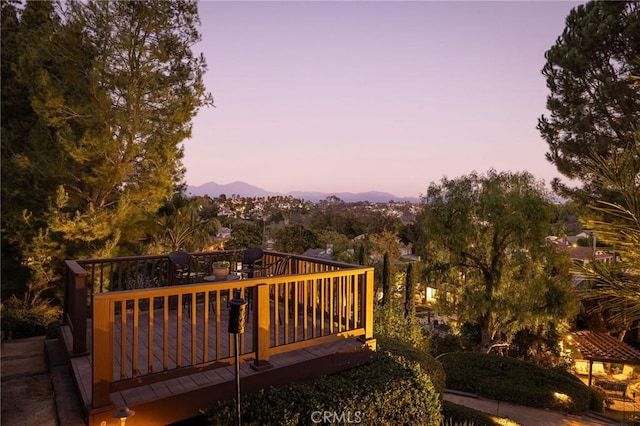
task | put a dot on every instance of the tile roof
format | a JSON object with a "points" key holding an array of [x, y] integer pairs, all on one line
{"points": [[603, 347]]}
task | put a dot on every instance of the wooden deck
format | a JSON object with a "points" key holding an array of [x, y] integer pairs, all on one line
{"points": [[155, 352], [219, 345], [176, 399]]}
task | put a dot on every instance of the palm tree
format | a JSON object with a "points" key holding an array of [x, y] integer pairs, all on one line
{"points": [[181, 226]]}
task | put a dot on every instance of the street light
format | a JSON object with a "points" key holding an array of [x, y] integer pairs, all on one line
{"points": [[123, 414]]}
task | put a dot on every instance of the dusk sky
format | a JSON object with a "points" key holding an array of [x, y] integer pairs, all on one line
{"points": [[337, 96]]}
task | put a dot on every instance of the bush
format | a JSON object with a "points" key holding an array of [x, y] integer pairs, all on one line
{"points": [[27, 318], [511, 380], [390, 390], [389, 321], [427, 362], [438, 344], [459, 414]]}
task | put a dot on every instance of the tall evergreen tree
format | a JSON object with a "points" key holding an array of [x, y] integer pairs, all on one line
{"points": [[593, 105], [27, 148], [386, 279], [114, 87], [410, 293], [617, 293], [362, 255]]}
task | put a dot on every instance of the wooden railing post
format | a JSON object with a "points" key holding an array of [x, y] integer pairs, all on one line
{"points": [[102, 353], [76, 305], [261, 327], [368, 296]]}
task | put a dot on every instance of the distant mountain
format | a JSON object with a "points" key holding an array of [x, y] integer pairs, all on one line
{"points": [[243, 189]]}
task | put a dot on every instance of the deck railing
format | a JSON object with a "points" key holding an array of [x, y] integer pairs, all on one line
{"points": [[143, 335]]}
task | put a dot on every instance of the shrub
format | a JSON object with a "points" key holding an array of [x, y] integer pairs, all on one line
{"points": [[28, 318], [427, 362], [389, 321], [390, 390], [455, 414], [438, 344], [511, 380]]}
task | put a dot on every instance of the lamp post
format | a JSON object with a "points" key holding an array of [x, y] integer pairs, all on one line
{"points": [[236, 327], [123, 414]]}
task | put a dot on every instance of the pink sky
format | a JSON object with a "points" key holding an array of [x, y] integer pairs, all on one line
{"points": [[356, 96]]}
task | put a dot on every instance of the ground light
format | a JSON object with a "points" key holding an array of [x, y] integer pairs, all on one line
{"points": [[123, 414]]}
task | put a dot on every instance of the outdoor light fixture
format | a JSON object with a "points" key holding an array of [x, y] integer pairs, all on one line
{"points": [[236, 327], [123, 414]]}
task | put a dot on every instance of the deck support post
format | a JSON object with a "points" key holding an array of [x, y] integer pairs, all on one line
{"points": [[368, 297], [102, 353], [76, 305], [261, 327]]}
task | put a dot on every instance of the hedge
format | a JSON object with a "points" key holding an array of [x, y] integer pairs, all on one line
{"points": [[427, 362], [455, 414], [511, 380], [390, 390]]}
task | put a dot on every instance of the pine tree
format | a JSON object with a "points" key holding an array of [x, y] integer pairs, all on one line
{"points": [[110, 90], [594, 105], [617, 293]]}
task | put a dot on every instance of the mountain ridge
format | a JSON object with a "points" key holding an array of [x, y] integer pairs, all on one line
{"points": [[244, 189]]}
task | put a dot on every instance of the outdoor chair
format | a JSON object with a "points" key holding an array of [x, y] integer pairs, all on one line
{"points": [[181, 273], [627, 373], [274, 269], [251, 261]]}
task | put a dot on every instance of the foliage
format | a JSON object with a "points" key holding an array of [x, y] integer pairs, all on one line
{"points": [[25, 138], [593, 104], [511, 380], [389, 322], [342, 246], [386, 280], [410, 293], [103, 95], [384, 242], [391, 390], [295, 239], [362, 255], [334, 214], [182, 226], [489, 231], [456, 414], [438, 344], [617, 289], [244, 235], [417, 354], [29, 316]]}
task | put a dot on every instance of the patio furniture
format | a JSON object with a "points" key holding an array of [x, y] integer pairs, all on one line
{"points": [[251, 261], [277, 268], [627, 373], [181, 273], [612, 386]]}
